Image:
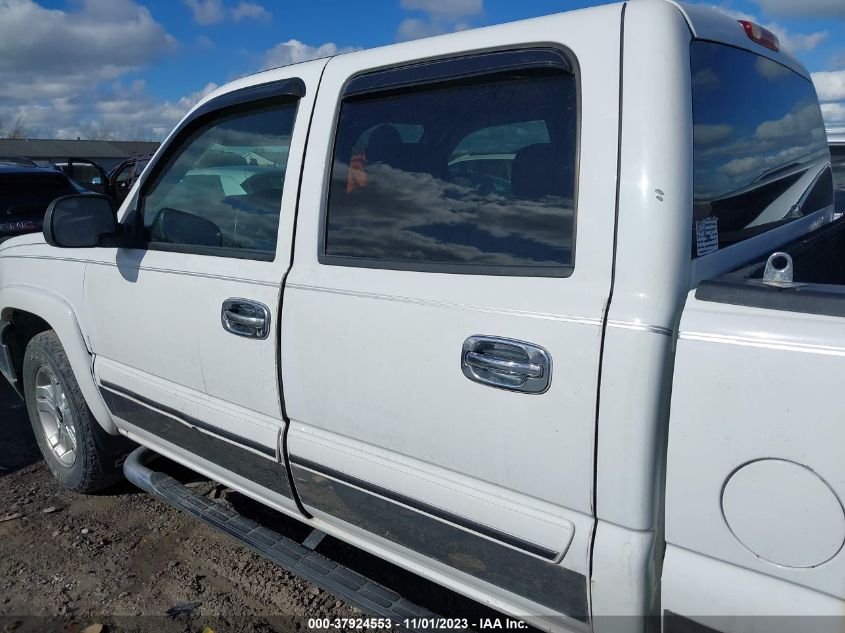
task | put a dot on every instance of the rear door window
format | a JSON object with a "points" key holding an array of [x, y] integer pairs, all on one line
{"points": [[474, 175], [760, 154]]}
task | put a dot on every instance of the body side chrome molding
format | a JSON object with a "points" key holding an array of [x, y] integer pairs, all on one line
{"points": [[166, 271], [786, 346], [78, 260], [191, 421], [641, 327], [420, 506], [189, 273], [455, 306], [434, 533], [238, 455]]}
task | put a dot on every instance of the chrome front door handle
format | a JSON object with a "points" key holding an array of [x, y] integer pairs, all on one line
{"points": [[246, 318], [487, 363], [506, 364]]}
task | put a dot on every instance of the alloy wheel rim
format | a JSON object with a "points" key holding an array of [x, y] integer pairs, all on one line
{"points": [[54, 414]]}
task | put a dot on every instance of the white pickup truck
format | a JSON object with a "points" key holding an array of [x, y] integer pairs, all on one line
{"points": [[491, 306]]}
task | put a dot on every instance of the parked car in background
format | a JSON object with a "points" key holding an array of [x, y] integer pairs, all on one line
{"points": [[114, 184], [25, 193], [122, 177], [836, 138], [17, 160], [86, 173]]}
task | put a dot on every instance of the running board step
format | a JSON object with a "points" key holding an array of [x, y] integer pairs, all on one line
{"points": [[333, 577]]}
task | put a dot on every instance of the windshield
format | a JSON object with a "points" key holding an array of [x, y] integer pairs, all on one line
{"points": [[760, 155]]}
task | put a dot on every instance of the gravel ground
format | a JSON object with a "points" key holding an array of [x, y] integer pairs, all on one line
{"points": [[120, 561]]}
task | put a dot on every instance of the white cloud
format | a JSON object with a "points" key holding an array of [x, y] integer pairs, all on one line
{"points": [[705, 78], [206, 12], [797, 41], [805, 118], [415, 29], [770, 70], [53, 62], [442, 16], [834, 114], [203, 43], [122, 111], [447, 8], [830, 85], [294, 51], [705, 134], [818, 8], [63, 72], [46, 52], [793, 42], [749, 152], [250, 11]]}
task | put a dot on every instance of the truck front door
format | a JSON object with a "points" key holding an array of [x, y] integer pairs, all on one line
{"points": [[185, 329]]}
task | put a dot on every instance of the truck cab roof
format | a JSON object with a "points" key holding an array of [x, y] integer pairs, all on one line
{"points": [[704, 22]]}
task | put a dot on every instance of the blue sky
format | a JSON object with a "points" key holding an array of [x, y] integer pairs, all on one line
{"points": [[131, 68]]}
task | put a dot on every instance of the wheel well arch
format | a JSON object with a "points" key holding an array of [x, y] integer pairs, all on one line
{"points": [[22, 327], [36, 310]]}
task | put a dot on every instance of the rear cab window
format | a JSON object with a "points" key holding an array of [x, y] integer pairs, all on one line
{"points": [[760, 153], [837, 157], [462, 174]]}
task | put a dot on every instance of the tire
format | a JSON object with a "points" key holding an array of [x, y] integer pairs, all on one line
{"points": [[76, 448]]}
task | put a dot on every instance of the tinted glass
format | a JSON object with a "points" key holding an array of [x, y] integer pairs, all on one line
{"points": [[83, 173], [24, 198], [837, 155], [124, 175], [223, 188], [458, 175], [760, 150], [25, 192], [140, 166]]}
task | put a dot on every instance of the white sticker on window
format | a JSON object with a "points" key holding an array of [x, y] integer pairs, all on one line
{"points": [[706, 236]]}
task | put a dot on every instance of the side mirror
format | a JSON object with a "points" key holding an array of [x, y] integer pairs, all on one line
{"points": [[79, 221], [177, 227]]}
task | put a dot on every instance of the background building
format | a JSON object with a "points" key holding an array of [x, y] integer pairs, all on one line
{"points": [[105, 153]]}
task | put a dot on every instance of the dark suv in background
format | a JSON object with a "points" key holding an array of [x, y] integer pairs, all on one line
{"points": [[25, 193]]}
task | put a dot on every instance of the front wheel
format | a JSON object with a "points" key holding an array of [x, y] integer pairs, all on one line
{"points": [[77, 450]]}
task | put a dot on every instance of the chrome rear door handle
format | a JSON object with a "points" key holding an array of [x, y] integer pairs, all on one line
{"points": [[246, 321], [246, 318], [506, 364], [480, 361]]}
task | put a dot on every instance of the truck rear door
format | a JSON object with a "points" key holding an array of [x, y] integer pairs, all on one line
{"points": [[442, 319]]}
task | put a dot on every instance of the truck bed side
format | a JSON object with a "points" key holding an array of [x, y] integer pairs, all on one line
{"points": [[755, 476]]}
